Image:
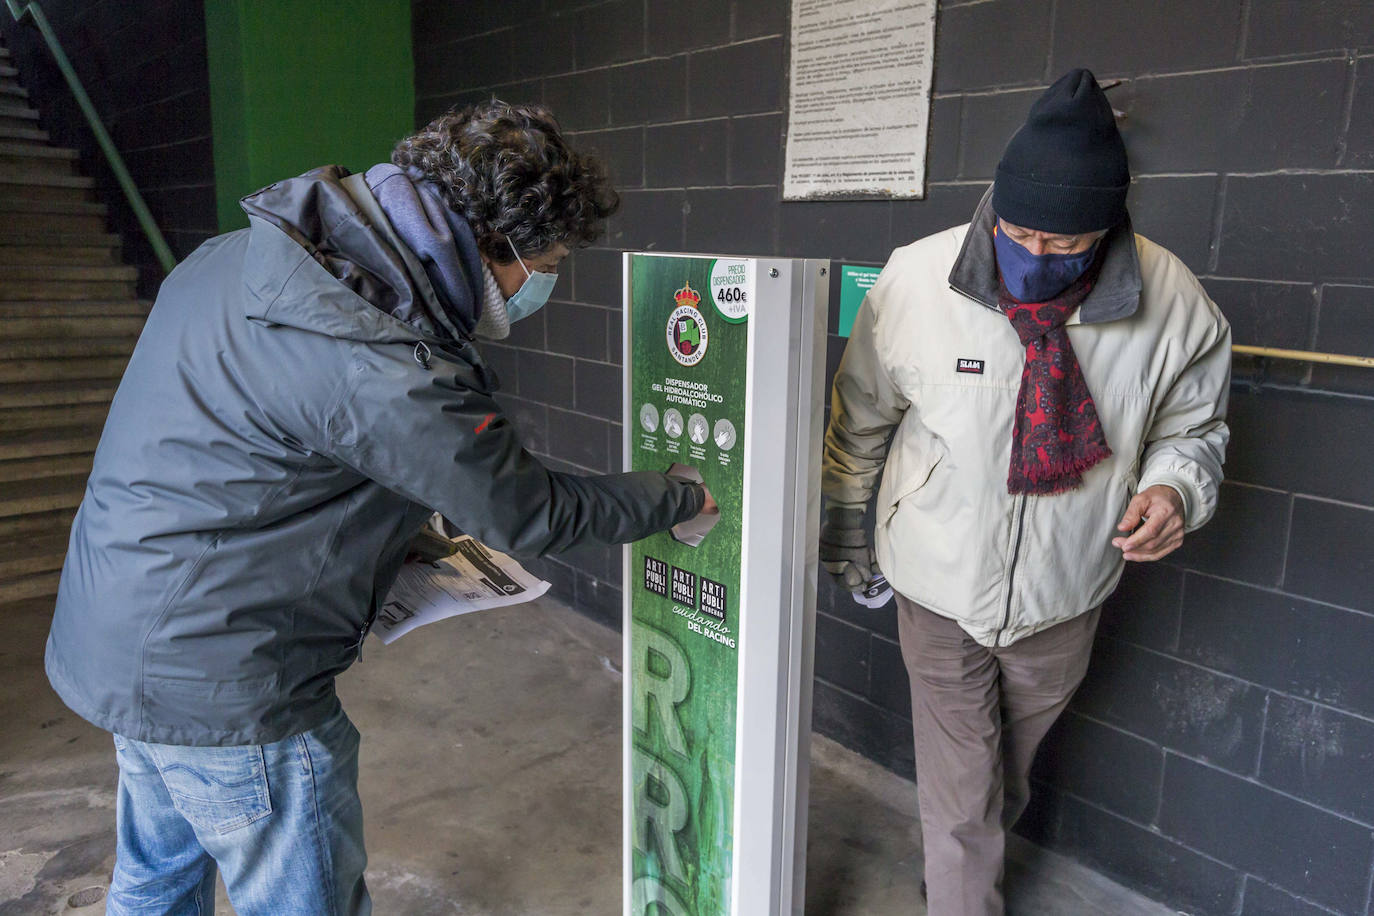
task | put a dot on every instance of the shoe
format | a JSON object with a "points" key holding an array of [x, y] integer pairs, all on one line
{"points": [[923, 890]]}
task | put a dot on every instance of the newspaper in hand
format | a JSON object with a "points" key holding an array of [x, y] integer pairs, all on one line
{"points": [[474, 578]]}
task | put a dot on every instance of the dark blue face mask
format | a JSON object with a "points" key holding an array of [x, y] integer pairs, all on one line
{"points": [[1037, 277]]}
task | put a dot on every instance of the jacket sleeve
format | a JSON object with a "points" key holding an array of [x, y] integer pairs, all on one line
{"points": [[1186, 443], [865, 406], [439, 440]]}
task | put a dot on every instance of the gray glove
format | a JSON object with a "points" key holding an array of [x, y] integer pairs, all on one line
{"points": [[429, 546], [845, 551]]}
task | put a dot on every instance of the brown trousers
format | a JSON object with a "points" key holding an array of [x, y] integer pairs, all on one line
{"points": [[979, 714]]}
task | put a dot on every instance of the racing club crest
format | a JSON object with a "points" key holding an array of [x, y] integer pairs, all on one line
{"points": [[687, 337]]}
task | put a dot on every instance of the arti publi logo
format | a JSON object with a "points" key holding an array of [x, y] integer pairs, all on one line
{"points": [[687, 337]]}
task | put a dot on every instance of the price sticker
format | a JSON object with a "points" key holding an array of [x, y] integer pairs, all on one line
{"points": [[732, 288]]}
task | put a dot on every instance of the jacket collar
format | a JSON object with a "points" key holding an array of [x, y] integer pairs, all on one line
{"points": [[323, 257], [1115, 295], [428, 312], [419, 221]]}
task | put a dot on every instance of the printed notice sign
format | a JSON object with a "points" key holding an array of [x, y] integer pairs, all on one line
{"points": [[859, 100]]}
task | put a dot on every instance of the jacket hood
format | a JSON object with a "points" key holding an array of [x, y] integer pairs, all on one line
{"points": [[323, 257], [1116, 294]]}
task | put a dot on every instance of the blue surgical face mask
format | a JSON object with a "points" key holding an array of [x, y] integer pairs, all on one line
{"points": [[532, 294], [1037, 277]]}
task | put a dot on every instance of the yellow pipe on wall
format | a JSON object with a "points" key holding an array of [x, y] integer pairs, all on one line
{"points": [[1335, 359]]}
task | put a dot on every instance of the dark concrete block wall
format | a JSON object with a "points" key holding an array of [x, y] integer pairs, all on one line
{"points": [[143, 63], [1221, 754]]}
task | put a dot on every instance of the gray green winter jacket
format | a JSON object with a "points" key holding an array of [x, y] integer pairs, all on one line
{"points": [[291, 415]]}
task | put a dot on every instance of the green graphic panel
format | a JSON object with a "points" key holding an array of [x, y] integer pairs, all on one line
{"points": [[687, 384], [855, 282]]}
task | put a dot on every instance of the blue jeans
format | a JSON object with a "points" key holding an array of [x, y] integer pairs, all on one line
{"points": [[282, 821]]}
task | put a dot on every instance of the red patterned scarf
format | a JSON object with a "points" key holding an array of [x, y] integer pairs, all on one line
{"points": [[1057, 435]]}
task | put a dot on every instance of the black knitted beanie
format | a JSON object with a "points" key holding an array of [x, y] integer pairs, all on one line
{"points": [[1065, 170]]}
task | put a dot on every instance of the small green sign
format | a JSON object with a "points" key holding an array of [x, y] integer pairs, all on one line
{"points": [[855, 282]]}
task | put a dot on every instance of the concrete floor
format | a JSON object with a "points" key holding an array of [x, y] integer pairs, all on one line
{"points": [[490, 781]]}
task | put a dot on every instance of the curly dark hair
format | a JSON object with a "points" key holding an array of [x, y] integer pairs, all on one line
{"points": [[508, 171]]}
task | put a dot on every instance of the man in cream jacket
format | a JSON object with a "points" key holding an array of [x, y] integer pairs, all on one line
{"points": [[1042, 394]]}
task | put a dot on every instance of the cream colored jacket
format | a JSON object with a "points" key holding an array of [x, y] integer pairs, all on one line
{"points": [[1155, 351]]}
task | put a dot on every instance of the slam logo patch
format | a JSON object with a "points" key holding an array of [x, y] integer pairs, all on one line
{"points": [[969, 366]]}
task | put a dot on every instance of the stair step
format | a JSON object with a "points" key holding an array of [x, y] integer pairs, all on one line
{"points": [[11, 132], [44, 193], [21, 112], [54, 222], [6, 121], [58, 327], [32, 555], [52, 394], [16, 123], [49, 494], [75, 290], [37, 524], [8, 71], [35, 159], [75, 309], [66, 348], [14, 90], [27, 235], [29, 205], [18, 419], [56, 370], [13, 177], [23, 588], [36, 443], [89, 255], [39, 187], [36, 165], [46, 466], [70, 272], [38, 152], [66, 281]]}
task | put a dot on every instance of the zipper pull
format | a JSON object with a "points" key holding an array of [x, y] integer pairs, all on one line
{"points": [[362, 637]]}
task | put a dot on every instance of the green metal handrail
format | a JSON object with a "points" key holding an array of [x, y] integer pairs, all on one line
{"points": [[34, 12]]}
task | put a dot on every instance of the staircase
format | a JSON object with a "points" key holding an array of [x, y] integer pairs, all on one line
{"points": [[68, 322]]}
